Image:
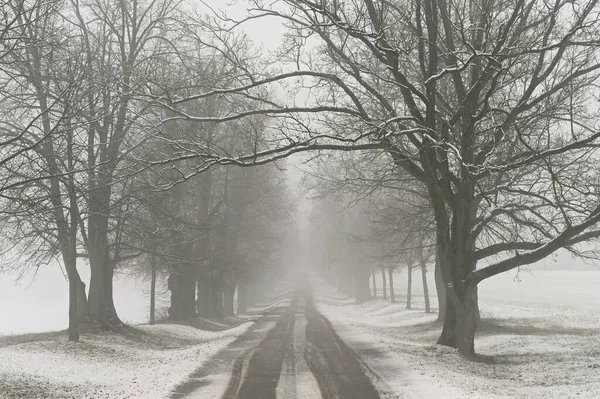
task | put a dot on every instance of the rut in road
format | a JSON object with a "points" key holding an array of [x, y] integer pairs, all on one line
{"points": [[256, 374], [335, 367]]}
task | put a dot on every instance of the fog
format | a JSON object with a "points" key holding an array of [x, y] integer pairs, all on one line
{"points": [[251, 199], [37, 302]]}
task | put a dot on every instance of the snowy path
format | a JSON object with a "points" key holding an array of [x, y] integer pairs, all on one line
{"points": [[292, 352]]}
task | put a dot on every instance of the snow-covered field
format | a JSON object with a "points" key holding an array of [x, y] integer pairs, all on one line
{"points": [[145, 363], [37, 303], [539, 337]]}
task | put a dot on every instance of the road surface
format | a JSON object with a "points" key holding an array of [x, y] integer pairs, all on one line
{"points": [[291, 352]]}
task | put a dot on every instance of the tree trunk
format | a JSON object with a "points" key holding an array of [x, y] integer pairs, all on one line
{"points": [[82, 307], [73, 319], [228, 295], [441, 290], [392, 292], [78, 310], [362, 292], [204, 304], [384, 283], [153, 291], [96, 294], [460, 321], [448, 335], [217, 295], [242, 298], [98, 303], [476, 298], [251, 294], [113, 318], [425, 287], [466, 325], [466, 322], [409, 288], [374, 283], [74, 279], [210, 297], [182, 284], [66, 232], [101, 305]]}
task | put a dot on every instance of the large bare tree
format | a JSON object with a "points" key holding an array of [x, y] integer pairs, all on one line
{"points": [[41, 170], [487, 104]]}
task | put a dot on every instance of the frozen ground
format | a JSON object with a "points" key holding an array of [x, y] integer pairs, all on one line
{"points": [[146, 362], [540, 338]]}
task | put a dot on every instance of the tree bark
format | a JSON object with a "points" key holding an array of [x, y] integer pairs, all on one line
{"points": [[210, 297], [425, 287], [383, 283], [182, 284], [73, 320], [109, 295], [466, 324], [409, 288], [460, 321], [441, 290], [476, 299], [73, 331], [96, 299], [101, 304], [82, 306], [448, 335]]}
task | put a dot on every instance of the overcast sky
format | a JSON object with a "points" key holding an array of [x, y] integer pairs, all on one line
{"points": [[266, 32]]}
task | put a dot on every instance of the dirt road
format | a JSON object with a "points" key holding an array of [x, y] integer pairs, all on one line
{"points": [[301, 356]]}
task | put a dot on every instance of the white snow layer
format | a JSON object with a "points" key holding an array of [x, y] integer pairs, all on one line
{"points": [[539, 338], [146, 365]]}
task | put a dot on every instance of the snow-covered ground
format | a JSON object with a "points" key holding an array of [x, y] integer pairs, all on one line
{"points": [[539, 337], [145, 363], [38, 303]]}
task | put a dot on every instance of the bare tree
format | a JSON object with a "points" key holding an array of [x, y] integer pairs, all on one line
{"points": [[493, 120], [423, 259], [42, 77], [122, 44]]}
